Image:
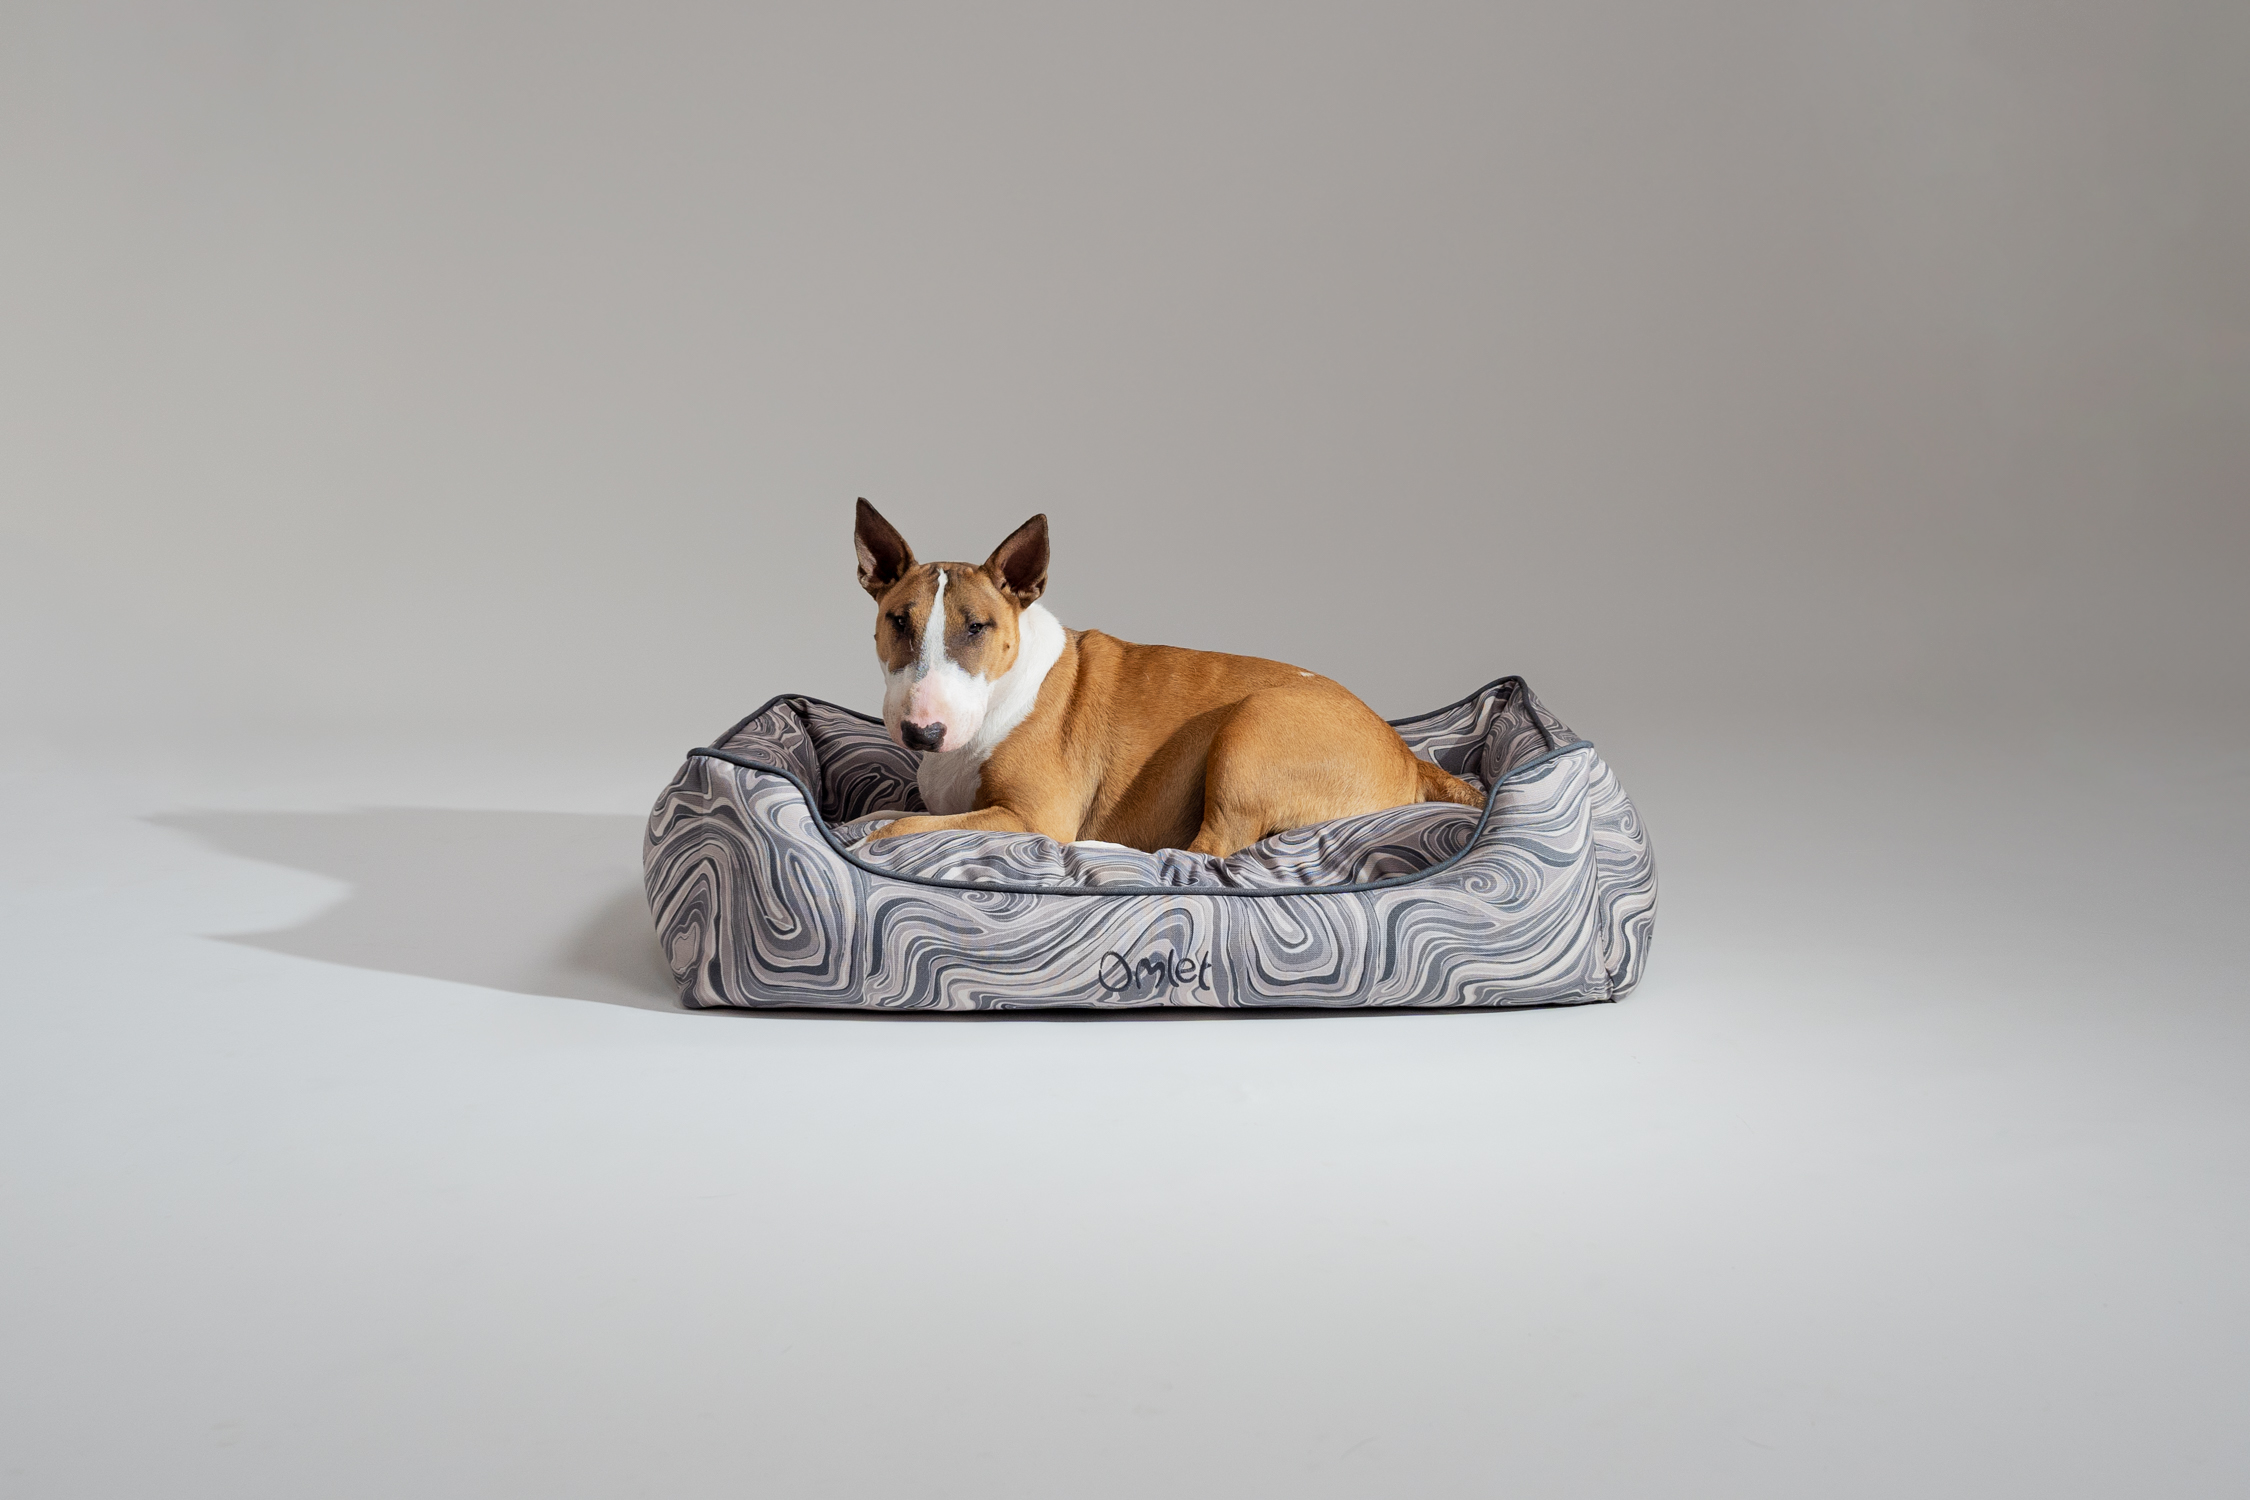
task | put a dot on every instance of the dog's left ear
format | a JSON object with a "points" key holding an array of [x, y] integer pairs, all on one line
{"points": [[1019, 564]]}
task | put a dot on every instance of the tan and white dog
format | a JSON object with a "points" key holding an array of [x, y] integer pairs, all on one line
{"points": [[1028, 727]]}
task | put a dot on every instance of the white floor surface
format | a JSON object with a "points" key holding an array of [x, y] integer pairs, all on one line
{"points": [[354, 1146]]}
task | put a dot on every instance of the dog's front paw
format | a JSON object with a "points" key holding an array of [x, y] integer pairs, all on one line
{"points": [[888, 828], [870, 825]]}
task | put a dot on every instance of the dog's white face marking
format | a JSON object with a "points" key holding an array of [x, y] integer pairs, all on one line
{"points": [[933, 631]]}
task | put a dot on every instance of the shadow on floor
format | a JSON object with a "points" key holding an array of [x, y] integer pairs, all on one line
{"points": [[540, 903]]}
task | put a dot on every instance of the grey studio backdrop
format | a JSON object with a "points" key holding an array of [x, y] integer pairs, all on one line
{"points": [[420, 423], [426, 363]]}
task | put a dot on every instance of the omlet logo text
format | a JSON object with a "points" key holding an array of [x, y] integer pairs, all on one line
{"points": [[1154, 975]]}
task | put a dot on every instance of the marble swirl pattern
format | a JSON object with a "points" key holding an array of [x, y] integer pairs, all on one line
{"points": [[766, 893]]}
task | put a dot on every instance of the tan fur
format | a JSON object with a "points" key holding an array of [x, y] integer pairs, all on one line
{"points": [[1154, 747]]}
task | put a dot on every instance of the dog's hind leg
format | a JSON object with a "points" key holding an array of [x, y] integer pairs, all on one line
{"points": [[1222, 833], [1289, 757]]}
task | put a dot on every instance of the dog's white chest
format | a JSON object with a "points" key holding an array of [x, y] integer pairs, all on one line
{"points": [[949, 780]]}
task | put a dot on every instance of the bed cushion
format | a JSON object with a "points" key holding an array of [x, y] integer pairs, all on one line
{"points": [[1396, 841], [767, 892]]}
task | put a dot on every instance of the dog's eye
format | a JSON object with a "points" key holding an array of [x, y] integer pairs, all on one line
{"points": [[898, 620], [979, 627]]}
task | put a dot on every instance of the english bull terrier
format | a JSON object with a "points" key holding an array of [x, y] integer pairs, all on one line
{"points": [[1027, 727]]}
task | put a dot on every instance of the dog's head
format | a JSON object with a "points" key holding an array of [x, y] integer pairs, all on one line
{"points": [[945, 632]]}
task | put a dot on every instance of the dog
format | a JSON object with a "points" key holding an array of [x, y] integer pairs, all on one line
{"points": [[1025, 726]]}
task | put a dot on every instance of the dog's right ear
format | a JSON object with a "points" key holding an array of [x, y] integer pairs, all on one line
{"points": [[884, 557]]}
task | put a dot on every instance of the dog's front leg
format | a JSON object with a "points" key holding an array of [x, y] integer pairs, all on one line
{"points": [[983, 820]]}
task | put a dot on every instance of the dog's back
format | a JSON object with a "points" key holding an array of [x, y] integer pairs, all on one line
{"points": [[1208, 751]]}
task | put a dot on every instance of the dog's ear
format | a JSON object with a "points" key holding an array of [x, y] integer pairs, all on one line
{"points": [[884, 557], [1019, 564]]}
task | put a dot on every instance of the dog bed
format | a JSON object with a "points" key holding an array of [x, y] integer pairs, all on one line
{"points": [[766, 891]]}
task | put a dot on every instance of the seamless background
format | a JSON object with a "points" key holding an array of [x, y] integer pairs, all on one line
{"points": [[463, 363], [419, 423]]}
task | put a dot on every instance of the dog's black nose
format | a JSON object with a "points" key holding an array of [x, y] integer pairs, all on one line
{"points": [[922, 736]]}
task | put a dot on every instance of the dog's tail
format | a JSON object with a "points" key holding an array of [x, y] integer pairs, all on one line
{"points": [[1440, 785]]}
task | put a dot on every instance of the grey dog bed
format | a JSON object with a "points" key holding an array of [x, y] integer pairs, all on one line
{"points": [[766, 891]]}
